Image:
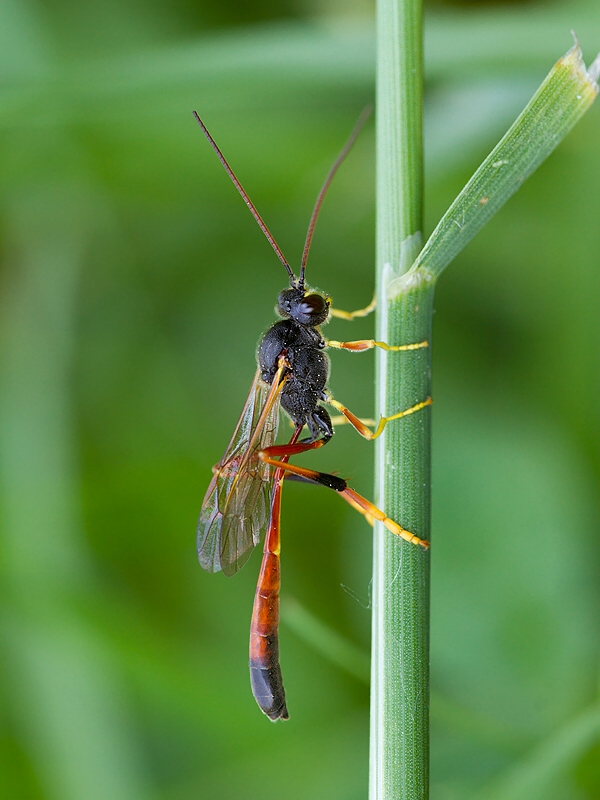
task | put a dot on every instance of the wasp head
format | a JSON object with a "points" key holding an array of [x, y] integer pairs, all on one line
{"points": [[305, 307]]}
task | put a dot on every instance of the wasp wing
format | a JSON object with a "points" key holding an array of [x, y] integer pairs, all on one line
{"points": [[237, 502]]}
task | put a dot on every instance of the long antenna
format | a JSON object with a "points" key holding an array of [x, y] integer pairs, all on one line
{"points": [[313, 220], [247, 200]]}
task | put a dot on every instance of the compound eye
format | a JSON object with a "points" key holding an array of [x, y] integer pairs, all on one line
{"points": [[313, 305]]}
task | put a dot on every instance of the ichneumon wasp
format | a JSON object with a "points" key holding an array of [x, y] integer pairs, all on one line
{"points": [[244, 496]]}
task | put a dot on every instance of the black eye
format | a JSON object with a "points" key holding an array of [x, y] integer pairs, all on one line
{"points": [[313, 305]]}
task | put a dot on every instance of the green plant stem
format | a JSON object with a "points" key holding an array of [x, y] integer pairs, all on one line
{"points": [[400, 651]]}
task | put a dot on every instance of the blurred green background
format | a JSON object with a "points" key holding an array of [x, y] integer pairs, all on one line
{"points": [[133, 289]]}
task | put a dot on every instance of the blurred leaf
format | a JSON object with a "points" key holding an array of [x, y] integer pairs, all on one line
{"points": [[513, 518], [326, 641], [62, 689], [535, 775]]}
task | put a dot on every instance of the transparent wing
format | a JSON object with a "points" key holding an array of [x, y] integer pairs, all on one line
{"points": [[236, 506]]}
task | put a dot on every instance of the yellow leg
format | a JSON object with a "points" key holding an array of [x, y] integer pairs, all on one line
{"points": [[372, 513], [357, 501], [368, 344], [366, 432], [350, 315]]}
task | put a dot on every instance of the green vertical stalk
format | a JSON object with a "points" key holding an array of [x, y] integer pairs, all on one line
{"points": [[400, 651], [405, 284]]}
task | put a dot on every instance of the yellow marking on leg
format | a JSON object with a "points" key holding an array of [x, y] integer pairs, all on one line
{"points": [[360, 345], [371, 511], [350, 315], [362, 428]]}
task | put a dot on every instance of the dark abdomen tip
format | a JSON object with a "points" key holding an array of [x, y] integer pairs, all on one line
{"points": [[268, 691]]}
